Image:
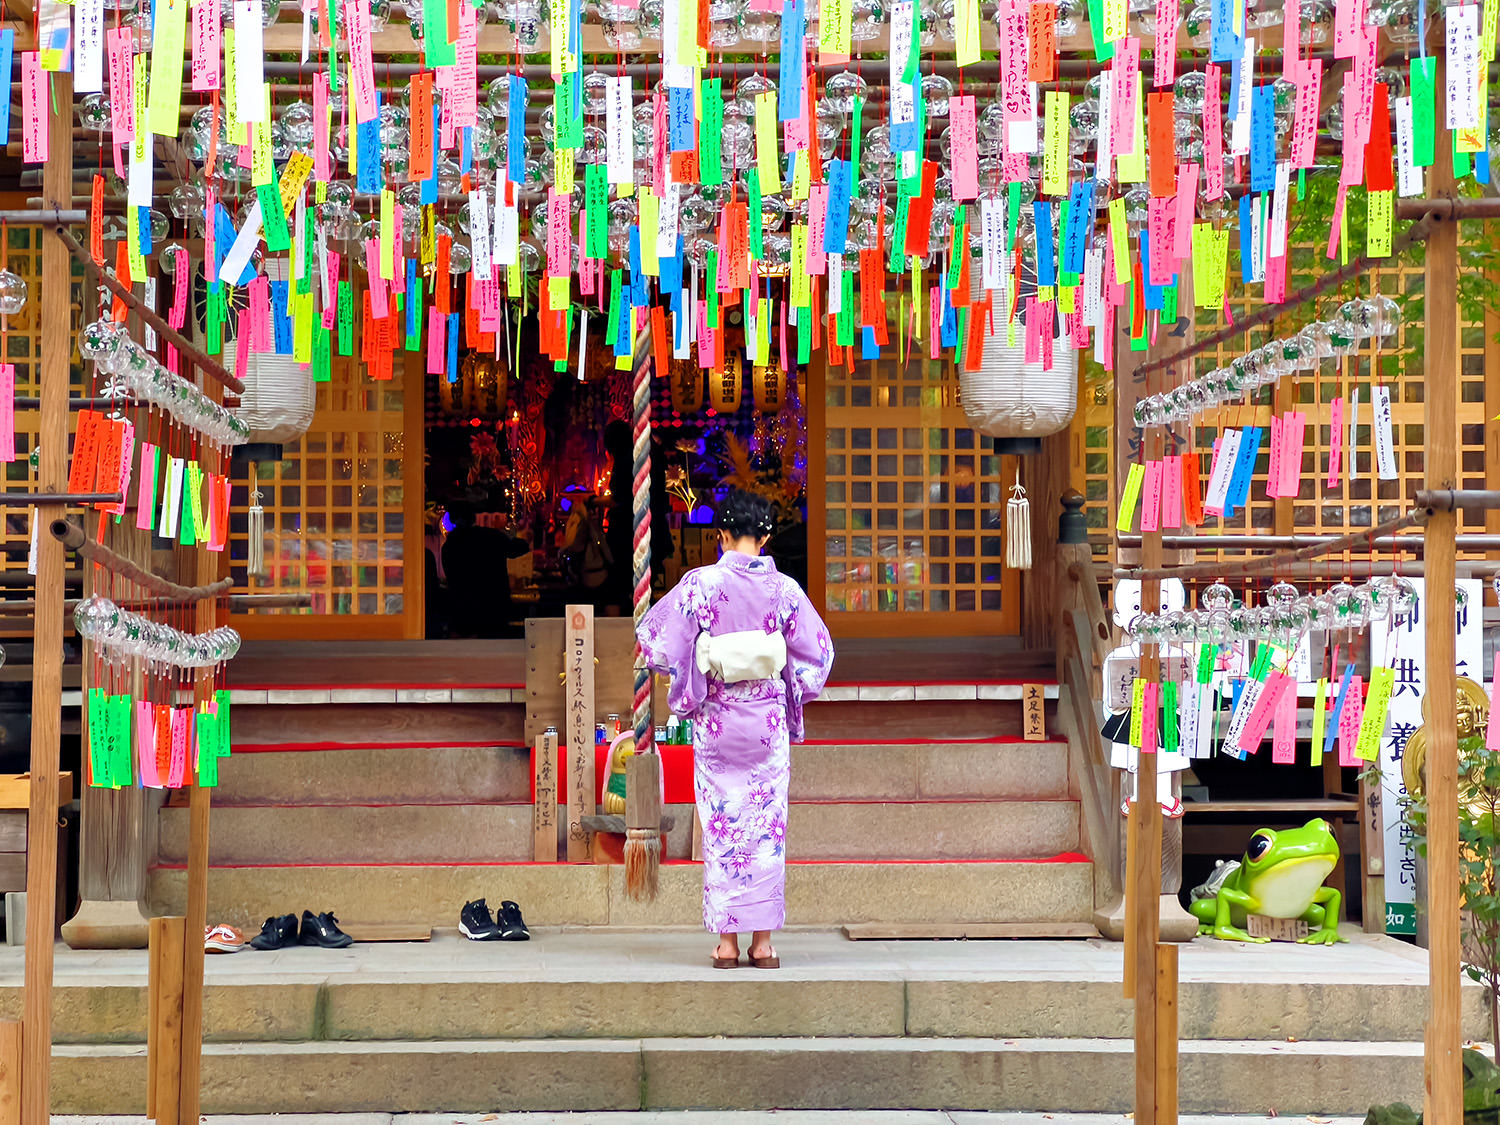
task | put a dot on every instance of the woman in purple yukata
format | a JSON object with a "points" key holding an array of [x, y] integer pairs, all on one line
{"points": [[745, 650]]}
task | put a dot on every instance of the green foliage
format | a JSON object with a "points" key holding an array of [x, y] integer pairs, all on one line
{"points": [[1481, 1097], [1479, 883]]}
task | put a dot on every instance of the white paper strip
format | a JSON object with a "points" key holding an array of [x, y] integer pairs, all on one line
{"points": [[249, 61], [1385, 454]]}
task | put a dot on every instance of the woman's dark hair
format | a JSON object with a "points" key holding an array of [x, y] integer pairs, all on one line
{"points": [[746, 513]]}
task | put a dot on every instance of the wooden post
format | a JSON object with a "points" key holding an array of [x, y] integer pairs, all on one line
{"points": [[578, 706], [164, 1084], [10, 1072], [544, 803], [1444, 1065], [205, 570], [46, 684], [1166, 1034]]}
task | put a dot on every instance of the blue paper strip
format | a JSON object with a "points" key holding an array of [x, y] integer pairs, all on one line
{"points": [[7, 54], [281, 322], [1046, 259], [1247, 247], [367, 167], [789, 86], [1224, 42], [1244, 465], [454, 326], [515, 124], [1332, 730], [1263, 138], [840, 186]]}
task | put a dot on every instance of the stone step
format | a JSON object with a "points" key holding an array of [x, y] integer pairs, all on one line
{"points": [[477, 1076], [457, 990], [472, 774], [819, 893], [471, 833]]}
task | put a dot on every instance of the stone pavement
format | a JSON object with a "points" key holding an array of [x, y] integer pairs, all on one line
{"points": [[770, 1117], [647, 956]]}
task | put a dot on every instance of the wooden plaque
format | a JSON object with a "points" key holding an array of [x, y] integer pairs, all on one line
{"points": [[544, 806], [1277, 929], [578, 706], [1034, 712]]}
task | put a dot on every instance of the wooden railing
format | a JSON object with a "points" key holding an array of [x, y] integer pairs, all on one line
{"points": [[1083, 641]]}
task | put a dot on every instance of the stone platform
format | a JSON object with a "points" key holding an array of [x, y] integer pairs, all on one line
{"points": [[636, 1020]]}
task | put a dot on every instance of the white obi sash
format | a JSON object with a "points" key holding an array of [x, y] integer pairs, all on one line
{"points": [[750, 654]]}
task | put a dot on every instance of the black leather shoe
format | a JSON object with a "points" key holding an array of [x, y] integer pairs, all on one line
{"points": [[277, 933], [323, 930], [512, 925]]}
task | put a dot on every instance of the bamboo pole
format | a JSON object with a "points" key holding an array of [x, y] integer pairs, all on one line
{"points": [[46, 683], [1444, 1069], [208, 565]]}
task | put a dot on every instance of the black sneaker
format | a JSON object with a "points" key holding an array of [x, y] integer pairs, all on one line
{"points": [[323, 930], [512, 925], [475, 923], [277, 933]]}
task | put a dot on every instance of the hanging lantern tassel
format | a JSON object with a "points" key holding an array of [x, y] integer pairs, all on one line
{"points": [[255, 528], [1018, 528], [643, 776]]}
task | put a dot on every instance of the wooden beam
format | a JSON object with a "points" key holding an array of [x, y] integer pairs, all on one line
{"points": [[1166, 1034], [1444, 1060], [167, 941], [46, 684]]}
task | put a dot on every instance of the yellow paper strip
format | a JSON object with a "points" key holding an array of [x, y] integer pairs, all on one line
{"points": [[801, 282], [1119, 237], [387, 234], [167, 52], [650, 216], [768, 163], [1055, 151], [1130, 497]]}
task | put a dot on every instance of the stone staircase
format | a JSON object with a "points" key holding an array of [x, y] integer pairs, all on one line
{"points": [[629, 1021], [398, 804]]}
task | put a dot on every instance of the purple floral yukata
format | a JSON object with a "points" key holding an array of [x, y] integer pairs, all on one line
{"points": [[741, 732]]}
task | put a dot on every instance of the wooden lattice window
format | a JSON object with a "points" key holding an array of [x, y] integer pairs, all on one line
{"points": [[913, 504], [1350, 505], [342, 513]]}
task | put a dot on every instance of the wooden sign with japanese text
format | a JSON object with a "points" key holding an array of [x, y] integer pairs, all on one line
{"points": [[1277, 929], [578, 707], [1033, 713], [544, 801]]}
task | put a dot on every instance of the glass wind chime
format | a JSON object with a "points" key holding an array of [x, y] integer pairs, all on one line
{"points": [[884, 207]]}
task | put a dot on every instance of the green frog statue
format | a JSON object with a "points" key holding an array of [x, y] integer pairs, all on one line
{"points": [[1281, 876]]}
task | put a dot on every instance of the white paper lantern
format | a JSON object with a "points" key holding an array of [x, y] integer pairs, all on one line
{"points": [[1008, 397]]}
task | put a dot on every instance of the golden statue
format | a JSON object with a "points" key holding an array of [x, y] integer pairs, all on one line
{"points": [[620, 752], [1473, 719]]}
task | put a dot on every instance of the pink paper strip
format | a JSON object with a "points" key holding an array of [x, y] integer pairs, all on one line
{"points": [[35, 113], [1167, 13], [1151, 498], [361, 63], [145, 744], [1213, 134], [177, 769], [1160, 217], [1187, 197], [143, 495], [964, 148], [1293, 434], [1260, 718], [1273, 463], [118, 43], [1171, 492], [1349, 720], [322, 159], [437, 341], [1284, 730], [207, 26], [379, 306], [1492, 731], [1126, 66], [8, 413], [1150, 714], [1336, 445]]}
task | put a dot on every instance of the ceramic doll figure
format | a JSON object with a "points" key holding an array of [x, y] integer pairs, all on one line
{"points": [[1121, 667]]}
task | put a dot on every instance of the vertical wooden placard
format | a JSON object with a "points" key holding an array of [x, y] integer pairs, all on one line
{"points": [[1034, 717], [578, 666], [544, 806]]}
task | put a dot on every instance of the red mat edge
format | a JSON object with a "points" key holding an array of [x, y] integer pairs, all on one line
{"points": [[1065, 857]]}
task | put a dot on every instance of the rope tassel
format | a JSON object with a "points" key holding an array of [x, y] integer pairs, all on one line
{"points": [[255, 531], [1018, 528], [643, 773]]}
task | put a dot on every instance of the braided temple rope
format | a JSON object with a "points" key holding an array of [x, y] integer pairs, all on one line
{"points": [[641, 556]]}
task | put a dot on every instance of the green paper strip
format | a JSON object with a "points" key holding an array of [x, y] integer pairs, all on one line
{"points": [[273, 217], [711, 134], [856, 132], [346, 319], [757, 221], [1424, 110], [1169, 716]]}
